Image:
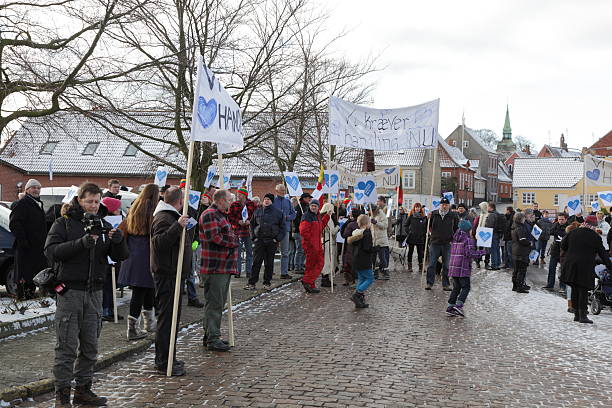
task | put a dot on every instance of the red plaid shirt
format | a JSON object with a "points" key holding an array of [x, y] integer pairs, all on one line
{"points": [[219, 242], [234, 216]]}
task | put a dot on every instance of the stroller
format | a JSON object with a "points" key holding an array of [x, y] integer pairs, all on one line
{"points": [[601, 296]]}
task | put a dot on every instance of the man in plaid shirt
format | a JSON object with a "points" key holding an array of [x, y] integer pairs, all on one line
{"points": [[241, 228], [219, 258]]}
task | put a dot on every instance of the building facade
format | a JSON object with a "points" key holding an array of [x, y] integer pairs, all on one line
{"points": [[456, 173]]}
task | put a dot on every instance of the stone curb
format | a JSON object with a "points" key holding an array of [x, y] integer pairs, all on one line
{"points": [[8, 329], [45, 385]]}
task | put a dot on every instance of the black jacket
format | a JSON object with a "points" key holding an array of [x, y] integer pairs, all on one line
{"points": [[496, 221], [65, 246], [546, 227], [165, 242], [557, 232], [111, 195], [298, 215], [509, 223], [400, 226], [443, 229], [521, 242], [268, 224], [580, 247], [28, 225], [416, 229], [362, 252]]}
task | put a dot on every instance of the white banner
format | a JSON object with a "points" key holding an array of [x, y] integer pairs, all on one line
{"points": [[484, 237], [160, 176], [574, 205], [362, 127], [194, 199], [332, 182], [365, 190], [347, 177], [386, 178], [606, 198], [216, 116], [249, 183], [294, 187], [210, 175], [598, 172]]}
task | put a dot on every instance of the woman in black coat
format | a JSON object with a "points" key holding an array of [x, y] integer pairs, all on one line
{"points": [[521, 247], [416, 230], [400, 226], [581, 246]]}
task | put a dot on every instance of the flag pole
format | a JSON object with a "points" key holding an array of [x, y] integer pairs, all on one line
{"points": [[179, 266], [332, 240], [433, 178], [114, 283], [230, 311]]}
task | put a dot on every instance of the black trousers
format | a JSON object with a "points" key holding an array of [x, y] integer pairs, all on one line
{"points": [[420, 252], [264, 253], [519, 273], [580, 298], [164, 300]]}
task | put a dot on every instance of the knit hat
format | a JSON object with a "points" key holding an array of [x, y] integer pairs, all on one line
{"points": [[314, 201], [244, 191], [591, 219], [270, 196], [464, 225], [111, 204], [32, 183]]}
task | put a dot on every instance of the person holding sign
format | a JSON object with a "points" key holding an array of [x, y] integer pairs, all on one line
{"points": [[443, 225], [463, 252], [219, 263], [380, 223], [545, 225], [521, 247]]}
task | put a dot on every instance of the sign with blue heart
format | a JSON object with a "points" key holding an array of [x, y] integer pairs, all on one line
{"points": [[210, 175], [70, 194], [332, 182], [606, 198], [160, 176], [387, 178], [365, 190], [216, 117], [113, 220], [536, 232], [595, 206], [533, 255], [194, 199], [449, 196], [294, 187], [435, 204], [484, 237], [574, 205]]}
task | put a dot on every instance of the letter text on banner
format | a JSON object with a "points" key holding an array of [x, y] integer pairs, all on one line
{"points": [[386, 178], [598, 172], [216, 117], [357, 126]]}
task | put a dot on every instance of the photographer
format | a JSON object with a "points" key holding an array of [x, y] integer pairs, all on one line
{"points": [[78, 245]]}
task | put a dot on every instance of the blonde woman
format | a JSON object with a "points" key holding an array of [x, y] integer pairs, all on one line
{"points": [[329, 244]]}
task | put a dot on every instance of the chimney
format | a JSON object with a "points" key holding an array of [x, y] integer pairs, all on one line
{"points": [[527, 149], [368, 161]]}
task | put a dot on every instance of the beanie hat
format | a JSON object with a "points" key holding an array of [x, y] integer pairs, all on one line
{"points": [[32, 183], [243, 190], [270, 196], [111, 204], [464, 225], [591, 219], [314, 201]]}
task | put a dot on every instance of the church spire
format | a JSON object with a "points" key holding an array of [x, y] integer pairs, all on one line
{"points": [[507, 128]]}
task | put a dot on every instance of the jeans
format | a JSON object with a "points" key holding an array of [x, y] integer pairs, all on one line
{"points": [[383, 258], [495, 254], [300, 258], [246, 244], [291, 253], [284, 247], [191, 287], [552, 271], [435, 251], [364, 280], [541, 248], [508, 254], [461, 289]]}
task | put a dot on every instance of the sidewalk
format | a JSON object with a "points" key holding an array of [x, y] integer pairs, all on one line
{"points": [[27, 359]]}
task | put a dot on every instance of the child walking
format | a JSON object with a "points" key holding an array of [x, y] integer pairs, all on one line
{"points": [[463, 251], [363, 249]]}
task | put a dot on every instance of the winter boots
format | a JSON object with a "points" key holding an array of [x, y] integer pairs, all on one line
{"points": [[62, 398], [133, 329], [83, 395], [359, 299], [149, 321], [385, 274], [570, 309], [326, 281], [582, 317], [409, 268]]}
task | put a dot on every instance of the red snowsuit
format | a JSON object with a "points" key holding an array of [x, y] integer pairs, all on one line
{"points": [[311, 229]]}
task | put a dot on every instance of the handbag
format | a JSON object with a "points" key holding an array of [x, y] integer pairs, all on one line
{"points": [[46, 279]]}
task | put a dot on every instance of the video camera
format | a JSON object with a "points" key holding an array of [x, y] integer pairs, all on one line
{"points": [[94, 225]]}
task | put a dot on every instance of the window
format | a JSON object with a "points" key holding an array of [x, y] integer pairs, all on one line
{"points": [[48, 148], [556, 200], [131, 149], [589, 198], [90, 149], [466, 144], [528, 198], [409, 182], [454, 143], [446, 174]]}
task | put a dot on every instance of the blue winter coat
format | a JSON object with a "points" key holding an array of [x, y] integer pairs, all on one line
{"points": [[136, 270]]}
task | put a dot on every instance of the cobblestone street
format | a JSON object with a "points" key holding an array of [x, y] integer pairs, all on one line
{"points": [[295, 349]]}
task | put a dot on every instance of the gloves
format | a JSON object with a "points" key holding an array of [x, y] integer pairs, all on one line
{"points": [[87, 241], [195, 245], [117, 236]]}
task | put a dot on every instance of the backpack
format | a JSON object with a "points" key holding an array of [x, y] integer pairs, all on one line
{"points": [[500, 224]]}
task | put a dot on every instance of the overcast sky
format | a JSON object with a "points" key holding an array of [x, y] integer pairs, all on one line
{"points": [[551, 61]]}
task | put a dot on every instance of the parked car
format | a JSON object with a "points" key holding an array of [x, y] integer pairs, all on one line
{"points": [[7, 252]]}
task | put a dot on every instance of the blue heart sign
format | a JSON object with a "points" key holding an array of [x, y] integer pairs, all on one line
{"points": [[294, 187], [390, 170], [606, 197], [435, 204], [358, 197], [207, 111], [160, 176], [533, 255], [574, 204], [367, 187], [450, 197], [194, 199], [484, 237], [332, 179], [536, 232], [210, 174], [595, 206], [593, 174]]}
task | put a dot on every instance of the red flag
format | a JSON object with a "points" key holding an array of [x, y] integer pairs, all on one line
{"points": [[400, 190]]}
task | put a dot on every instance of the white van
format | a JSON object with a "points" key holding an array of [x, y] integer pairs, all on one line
{"points": [[54, 195]]}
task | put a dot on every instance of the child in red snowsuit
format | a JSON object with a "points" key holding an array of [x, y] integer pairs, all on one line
{"points": [[311, 228]]}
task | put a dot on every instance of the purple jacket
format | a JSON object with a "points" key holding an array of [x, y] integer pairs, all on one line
{"points": [[463, 251]]}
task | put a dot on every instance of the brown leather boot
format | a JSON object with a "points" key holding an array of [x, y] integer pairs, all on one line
{"points": [[83, 395], [62, 398]]}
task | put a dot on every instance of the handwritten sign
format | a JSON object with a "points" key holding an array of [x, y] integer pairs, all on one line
{"points": [[387, 178], [362, 127], [598, 172], [484, 237]]}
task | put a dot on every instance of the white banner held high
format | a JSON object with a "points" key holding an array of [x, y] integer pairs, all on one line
{"points": [[332, 182], [294, 187], [598, 172], [362, 127], [386, 178], [216, 116]]}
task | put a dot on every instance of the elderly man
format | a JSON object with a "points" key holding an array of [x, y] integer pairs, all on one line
{"points": [[283, 204], [219, 263], [28, 224], [442, 227]]}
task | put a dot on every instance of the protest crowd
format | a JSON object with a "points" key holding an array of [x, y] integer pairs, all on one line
{"points": [[235, 235]]}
